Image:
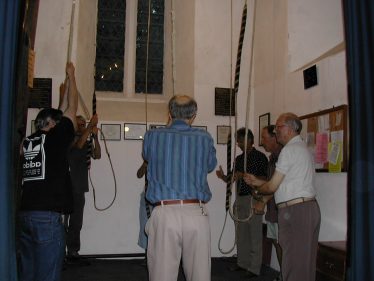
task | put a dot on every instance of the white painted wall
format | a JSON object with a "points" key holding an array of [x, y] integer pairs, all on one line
{"points": [[275, 90], [278, 89]]}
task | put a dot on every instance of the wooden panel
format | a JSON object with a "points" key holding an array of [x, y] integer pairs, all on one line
{"points": [[331, 261], [326, 134]]}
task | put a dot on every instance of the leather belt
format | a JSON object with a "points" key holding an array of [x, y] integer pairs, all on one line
{"points": [[178, 202], [295, 201]]}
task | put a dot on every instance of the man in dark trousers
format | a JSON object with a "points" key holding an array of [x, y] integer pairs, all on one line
{"points": [[270, 144], [299, 215], [86, 146], [249, 232], [46, 190]]}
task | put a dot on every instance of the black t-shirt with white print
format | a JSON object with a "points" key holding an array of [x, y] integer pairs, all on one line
{"points": [[46, 180]]}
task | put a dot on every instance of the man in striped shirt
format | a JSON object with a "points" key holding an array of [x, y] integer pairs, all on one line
{"points": [[179, 158]]}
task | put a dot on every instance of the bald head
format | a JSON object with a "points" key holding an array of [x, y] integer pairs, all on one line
{"points": [[182, 107]]}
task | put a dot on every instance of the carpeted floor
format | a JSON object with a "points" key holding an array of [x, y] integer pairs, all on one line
{"points": [[136, 270]]}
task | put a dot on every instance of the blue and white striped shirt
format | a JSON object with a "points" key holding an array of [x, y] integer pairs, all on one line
{"points": [[179, 159]]}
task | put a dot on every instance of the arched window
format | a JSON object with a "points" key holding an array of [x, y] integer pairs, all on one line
{"points": [[111, 71]]}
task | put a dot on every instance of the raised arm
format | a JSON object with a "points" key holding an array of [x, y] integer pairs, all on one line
{"points": [[72, 96]]}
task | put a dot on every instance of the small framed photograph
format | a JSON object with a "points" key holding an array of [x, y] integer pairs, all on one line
{"points": [[263, 121], [223, 134], [134, 131], [111, 132], [156, 126], [201, 127]]}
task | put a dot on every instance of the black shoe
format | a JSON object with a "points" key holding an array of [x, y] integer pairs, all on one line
{"points": [[250, 274], [73, 255], [77, 262], [236, 268]]}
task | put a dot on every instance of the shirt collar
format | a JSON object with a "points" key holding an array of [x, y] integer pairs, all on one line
{"points": [[296, 138], [179, 124]]}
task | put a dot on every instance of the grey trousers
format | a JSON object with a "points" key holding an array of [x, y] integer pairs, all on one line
{"points": [[298, 237], [249, 236], [175, 232]]}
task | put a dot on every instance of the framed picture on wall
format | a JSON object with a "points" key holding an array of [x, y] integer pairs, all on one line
{"points": [[201, 127], [263, 121], [134, 131], [156, 126], [223, 134], [111, 132]]}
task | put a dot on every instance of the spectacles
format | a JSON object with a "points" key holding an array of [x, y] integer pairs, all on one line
{"points": [[278, 127]]}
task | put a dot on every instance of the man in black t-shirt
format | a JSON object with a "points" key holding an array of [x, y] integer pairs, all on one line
{"points": [[46, 189], [248, 232]]}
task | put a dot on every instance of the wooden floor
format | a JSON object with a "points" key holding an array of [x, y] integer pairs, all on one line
{"points": [[136, 270]]}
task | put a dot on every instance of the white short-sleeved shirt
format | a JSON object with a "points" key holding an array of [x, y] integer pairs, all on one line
{"points": [[296, 164]]}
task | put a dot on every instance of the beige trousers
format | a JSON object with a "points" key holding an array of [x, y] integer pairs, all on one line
{"points": [[175, 232]]}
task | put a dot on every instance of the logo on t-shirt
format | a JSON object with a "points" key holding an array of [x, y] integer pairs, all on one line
{"points": [[34, 159]]}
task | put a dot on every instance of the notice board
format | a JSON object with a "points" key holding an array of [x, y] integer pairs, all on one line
{"points": [[326, 135]]}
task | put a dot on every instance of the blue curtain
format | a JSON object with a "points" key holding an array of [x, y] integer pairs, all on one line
{"points": [[359, 29], [9, 23]]}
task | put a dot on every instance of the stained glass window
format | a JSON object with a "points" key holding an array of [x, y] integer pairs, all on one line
{"points": [[110, 44]]}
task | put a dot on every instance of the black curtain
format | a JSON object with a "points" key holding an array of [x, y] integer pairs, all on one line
{"points": [[359, 32], [9, 27]]}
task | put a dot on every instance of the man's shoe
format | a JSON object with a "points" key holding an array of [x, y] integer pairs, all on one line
{"points": [[250, 274]]}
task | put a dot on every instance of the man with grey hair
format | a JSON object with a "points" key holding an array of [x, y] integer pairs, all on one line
{"points": [[299, 216], [179, 158]]}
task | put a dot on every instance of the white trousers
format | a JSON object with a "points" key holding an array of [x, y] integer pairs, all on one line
{"points": [[175, 232]]}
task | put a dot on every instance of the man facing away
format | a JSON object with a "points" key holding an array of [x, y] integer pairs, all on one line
{"points": [[86, 146], [46, 190], [299, 216], [179, 158]]}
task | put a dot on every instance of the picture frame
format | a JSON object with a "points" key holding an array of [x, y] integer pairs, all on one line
{"points": [[223, 134], [200, 127], [263, 121], [110, 132], [156, 126], [134, 131]]}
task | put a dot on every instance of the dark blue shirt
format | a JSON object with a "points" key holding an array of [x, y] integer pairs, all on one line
{"points": [[179, 159], [257, 164]]}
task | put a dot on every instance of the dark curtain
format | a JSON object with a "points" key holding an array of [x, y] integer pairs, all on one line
{"points": [[359, 32], [9, 26]]}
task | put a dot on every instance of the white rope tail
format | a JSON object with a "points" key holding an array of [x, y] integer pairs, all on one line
{"points": [[173, 46], [237, 72], [68, 58], [232, 213]]}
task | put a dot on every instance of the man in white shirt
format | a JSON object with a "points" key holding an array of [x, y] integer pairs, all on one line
{"points": [[299, 216]]}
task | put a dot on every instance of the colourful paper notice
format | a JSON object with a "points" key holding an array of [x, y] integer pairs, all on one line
{"points": [[335, 157], [321, 152]]}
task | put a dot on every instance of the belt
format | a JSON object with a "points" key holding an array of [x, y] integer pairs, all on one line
{"points": [[295, 201], [178, 202]]}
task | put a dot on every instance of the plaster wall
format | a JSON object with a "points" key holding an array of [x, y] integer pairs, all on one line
{"points": [[206, 46]]}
